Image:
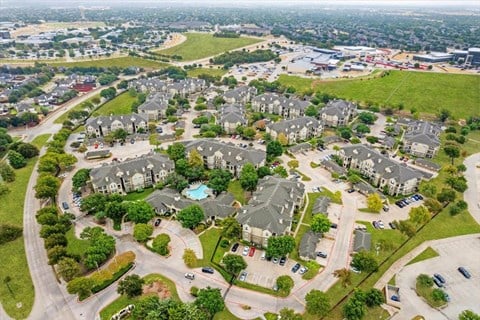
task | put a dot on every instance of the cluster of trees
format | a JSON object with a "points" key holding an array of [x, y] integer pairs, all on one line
{"points": [[356, 306], [365, 261], [79, 179], [191, 216], [108, 93], [229, 59], [20, 152], [16, 121], [280, 246], [106, 78], [226, 34], [27, 88], [142, 232], [160, 244], [9, 233], [101, 246]]}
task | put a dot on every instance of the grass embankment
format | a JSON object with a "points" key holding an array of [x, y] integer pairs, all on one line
{"points": [[134, 196], [40, 140], [76, 245], [203, 45], [120, 62], [78, 107], [194, 73], [425, 255], [15, 265], [423, 91], [121, 104], [235, 188]]}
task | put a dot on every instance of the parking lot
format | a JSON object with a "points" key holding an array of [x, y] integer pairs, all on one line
{"points": [[265, 273], [464, 293]]}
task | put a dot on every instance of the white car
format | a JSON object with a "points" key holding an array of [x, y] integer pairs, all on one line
{"points": [[190, 276], [303, 270], [380, 224], [246, 249], [243, 276]]}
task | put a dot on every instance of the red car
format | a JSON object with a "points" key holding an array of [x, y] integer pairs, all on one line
{"points": [[252, 252]]}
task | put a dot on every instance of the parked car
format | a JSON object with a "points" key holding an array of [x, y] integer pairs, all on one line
{"points": [[65, 206], [157, 222], [235, 247], [190, 276], [392, 225], [246, 250], [351, 190], [386, 208], [334, 226], [380, 224], [464, 272], [275, 260], [437, 282], [395, 298], [243, 276], [208, 270], [303, 270], [283, 260], [355, 270], [439, 277], [296, 267], [251, 252], [264, 255], [321, 254]]}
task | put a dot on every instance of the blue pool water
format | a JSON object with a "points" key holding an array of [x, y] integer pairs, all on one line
{"points": [[198, 193]]}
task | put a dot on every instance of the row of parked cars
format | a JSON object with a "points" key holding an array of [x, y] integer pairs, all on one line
{"points": [[409, 200]]}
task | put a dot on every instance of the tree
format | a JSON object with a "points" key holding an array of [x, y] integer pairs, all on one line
{"points": [[140, 211], [433, 205], [68, 268], [365, 261], [439, 295], [354, 178], [468, 315], [210, 300], [249, 133], [189, 258], [131, 286], [457, 183], [56, 239], [274, 149], [311, 111], [293, 164], [195, 159], [374, 202], [452, 151], [9, 233], [289, 314], [406, 227], [279, 246], [263, 171], [355, 308], [116, 211], [285, 284], [362, 128], [443, 115], [93, 203], [160, 244], [374, 298], [282, 138], [419, 215], [234, 263], [27, 150], [4, 189], [176, 151], [142, 232], [367, 117], [109, 93], [79, 179], [344, 275], [120, 134], [446, 195], [428, 189], [56, 253], [317, 303], [47, 187], [176, 181], [345, 133], [191, 216], [231, 229], [16, 160], [219, 180], [81, 286], [424, 280], [320, 223], [6, 172], [281, 171], [248, 177]]}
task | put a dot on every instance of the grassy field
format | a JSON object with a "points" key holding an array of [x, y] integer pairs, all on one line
{"points": [[236, 189], [15, 264], [120, 62], [121, 104], [203, 45], [78, 107], [133, 196], [420, 90], [76, 245], [426, 254], [209, 240], [40, 140], [209, 71], [225, 315]]}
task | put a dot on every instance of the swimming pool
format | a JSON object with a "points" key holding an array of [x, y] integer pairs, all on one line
{"points": [[197, 192]]}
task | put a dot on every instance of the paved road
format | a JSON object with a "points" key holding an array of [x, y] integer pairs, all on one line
{"points": [[472, 195]]}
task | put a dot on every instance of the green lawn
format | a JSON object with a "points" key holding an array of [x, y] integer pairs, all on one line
{"points": [[121, 104], [76, 245], [225, 315], [15, 263], [120, 62], [209, 240], [208, 71], [203, 45], [426, 254], [40, 140], [426, 294], [421, 90], [235, 188], [133, 196], [78, 107], [123, 301]]}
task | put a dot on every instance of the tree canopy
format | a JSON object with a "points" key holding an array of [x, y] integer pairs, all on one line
{"points": [[191, 216]]}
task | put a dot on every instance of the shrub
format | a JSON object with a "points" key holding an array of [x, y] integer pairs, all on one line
{"points": [[160, 244], [425, 281], [9, 233], [194, 291], [117, 268], [224, 243]]}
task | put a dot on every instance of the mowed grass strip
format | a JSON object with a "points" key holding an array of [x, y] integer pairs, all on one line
{"points": [[424, 255], [121, 104], [215, 72], [426, 92], [120, 62], [14, 264], [78, 107], [203, 45]]}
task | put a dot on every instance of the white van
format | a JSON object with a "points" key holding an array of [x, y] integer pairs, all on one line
{"points": [[264, 255]]}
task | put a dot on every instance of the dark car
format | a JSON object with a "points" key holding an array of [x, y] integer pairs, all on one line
{"points": [[207, 270], [65, 205], [439, 277], [235, 247], [321, 254], [351, 190], [395, 298], [283, 260], [465, 273], [392, 225], [157, 222], [334, 226], [419, 197], [296, 267], [437, 282]]}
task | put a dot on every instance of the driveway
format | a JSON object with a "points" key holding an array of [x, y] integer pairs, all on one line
{"points": [[464, 293], [181, 238]]}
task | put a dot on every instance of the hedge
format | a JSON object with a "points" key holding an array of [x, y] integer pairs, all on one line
{"points": [[116, 269]]}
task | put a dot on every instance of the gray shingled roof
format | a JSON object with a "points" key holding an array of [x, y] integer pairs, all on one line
{"points": [[239, 92], [340, 108], [304, 146], [384, 166], [334, 167], [294, 125], [125, 119], [270, 98], [321, 205], [232, 114], [156, 102], [362, 241], [427, 164], [111, 172], [231, 153], [308, 245], [271, 205], [423, 132]]}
